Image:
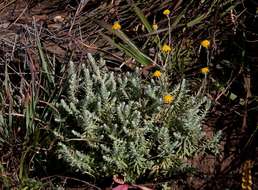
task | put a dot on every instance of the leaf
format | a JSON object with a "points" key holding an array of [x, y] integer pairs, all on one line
{"points": [[131, 48], [197, 20], [45, 63], [144, 20]]}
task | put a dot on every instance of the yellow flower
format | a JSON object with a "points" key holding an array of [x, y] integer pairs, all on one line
{"points": [[205, 43], [168, 99], [116, 26], [166, 48], [166, 12], [156, 74], [155, 27], [205, 70]]}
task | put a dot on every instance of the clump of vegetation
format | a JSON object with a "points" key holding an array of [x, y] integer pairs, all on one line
{"points": [[114, 123]]}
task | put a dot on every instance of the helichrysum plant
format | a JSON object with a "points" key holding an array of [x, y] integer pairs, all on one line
{"points": [[118, 123]]}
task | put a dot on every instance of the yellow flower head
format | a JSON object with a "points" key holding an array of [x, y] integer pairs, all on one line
{"points": [[166, 12], [168, 99], [205, 70], [155, 27], [156, 74], [166, 48], [205, 43], [116, 26]]}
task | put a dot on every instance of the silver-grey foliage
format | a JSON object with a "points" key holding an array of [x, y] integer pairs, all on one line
{"points": [[118, 124]]}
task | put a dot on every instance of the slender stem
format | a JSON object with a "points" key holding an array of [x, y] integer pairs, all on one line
{"points": [[169, 31]]}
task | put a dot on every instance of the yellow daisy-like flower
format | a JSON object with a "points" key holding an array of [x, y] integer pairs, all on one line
{"points": [[166, 12], [116, 26], [205, 70], [156, 74], [205, 43], [155, 27], [166, 48], [168, 99]]}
